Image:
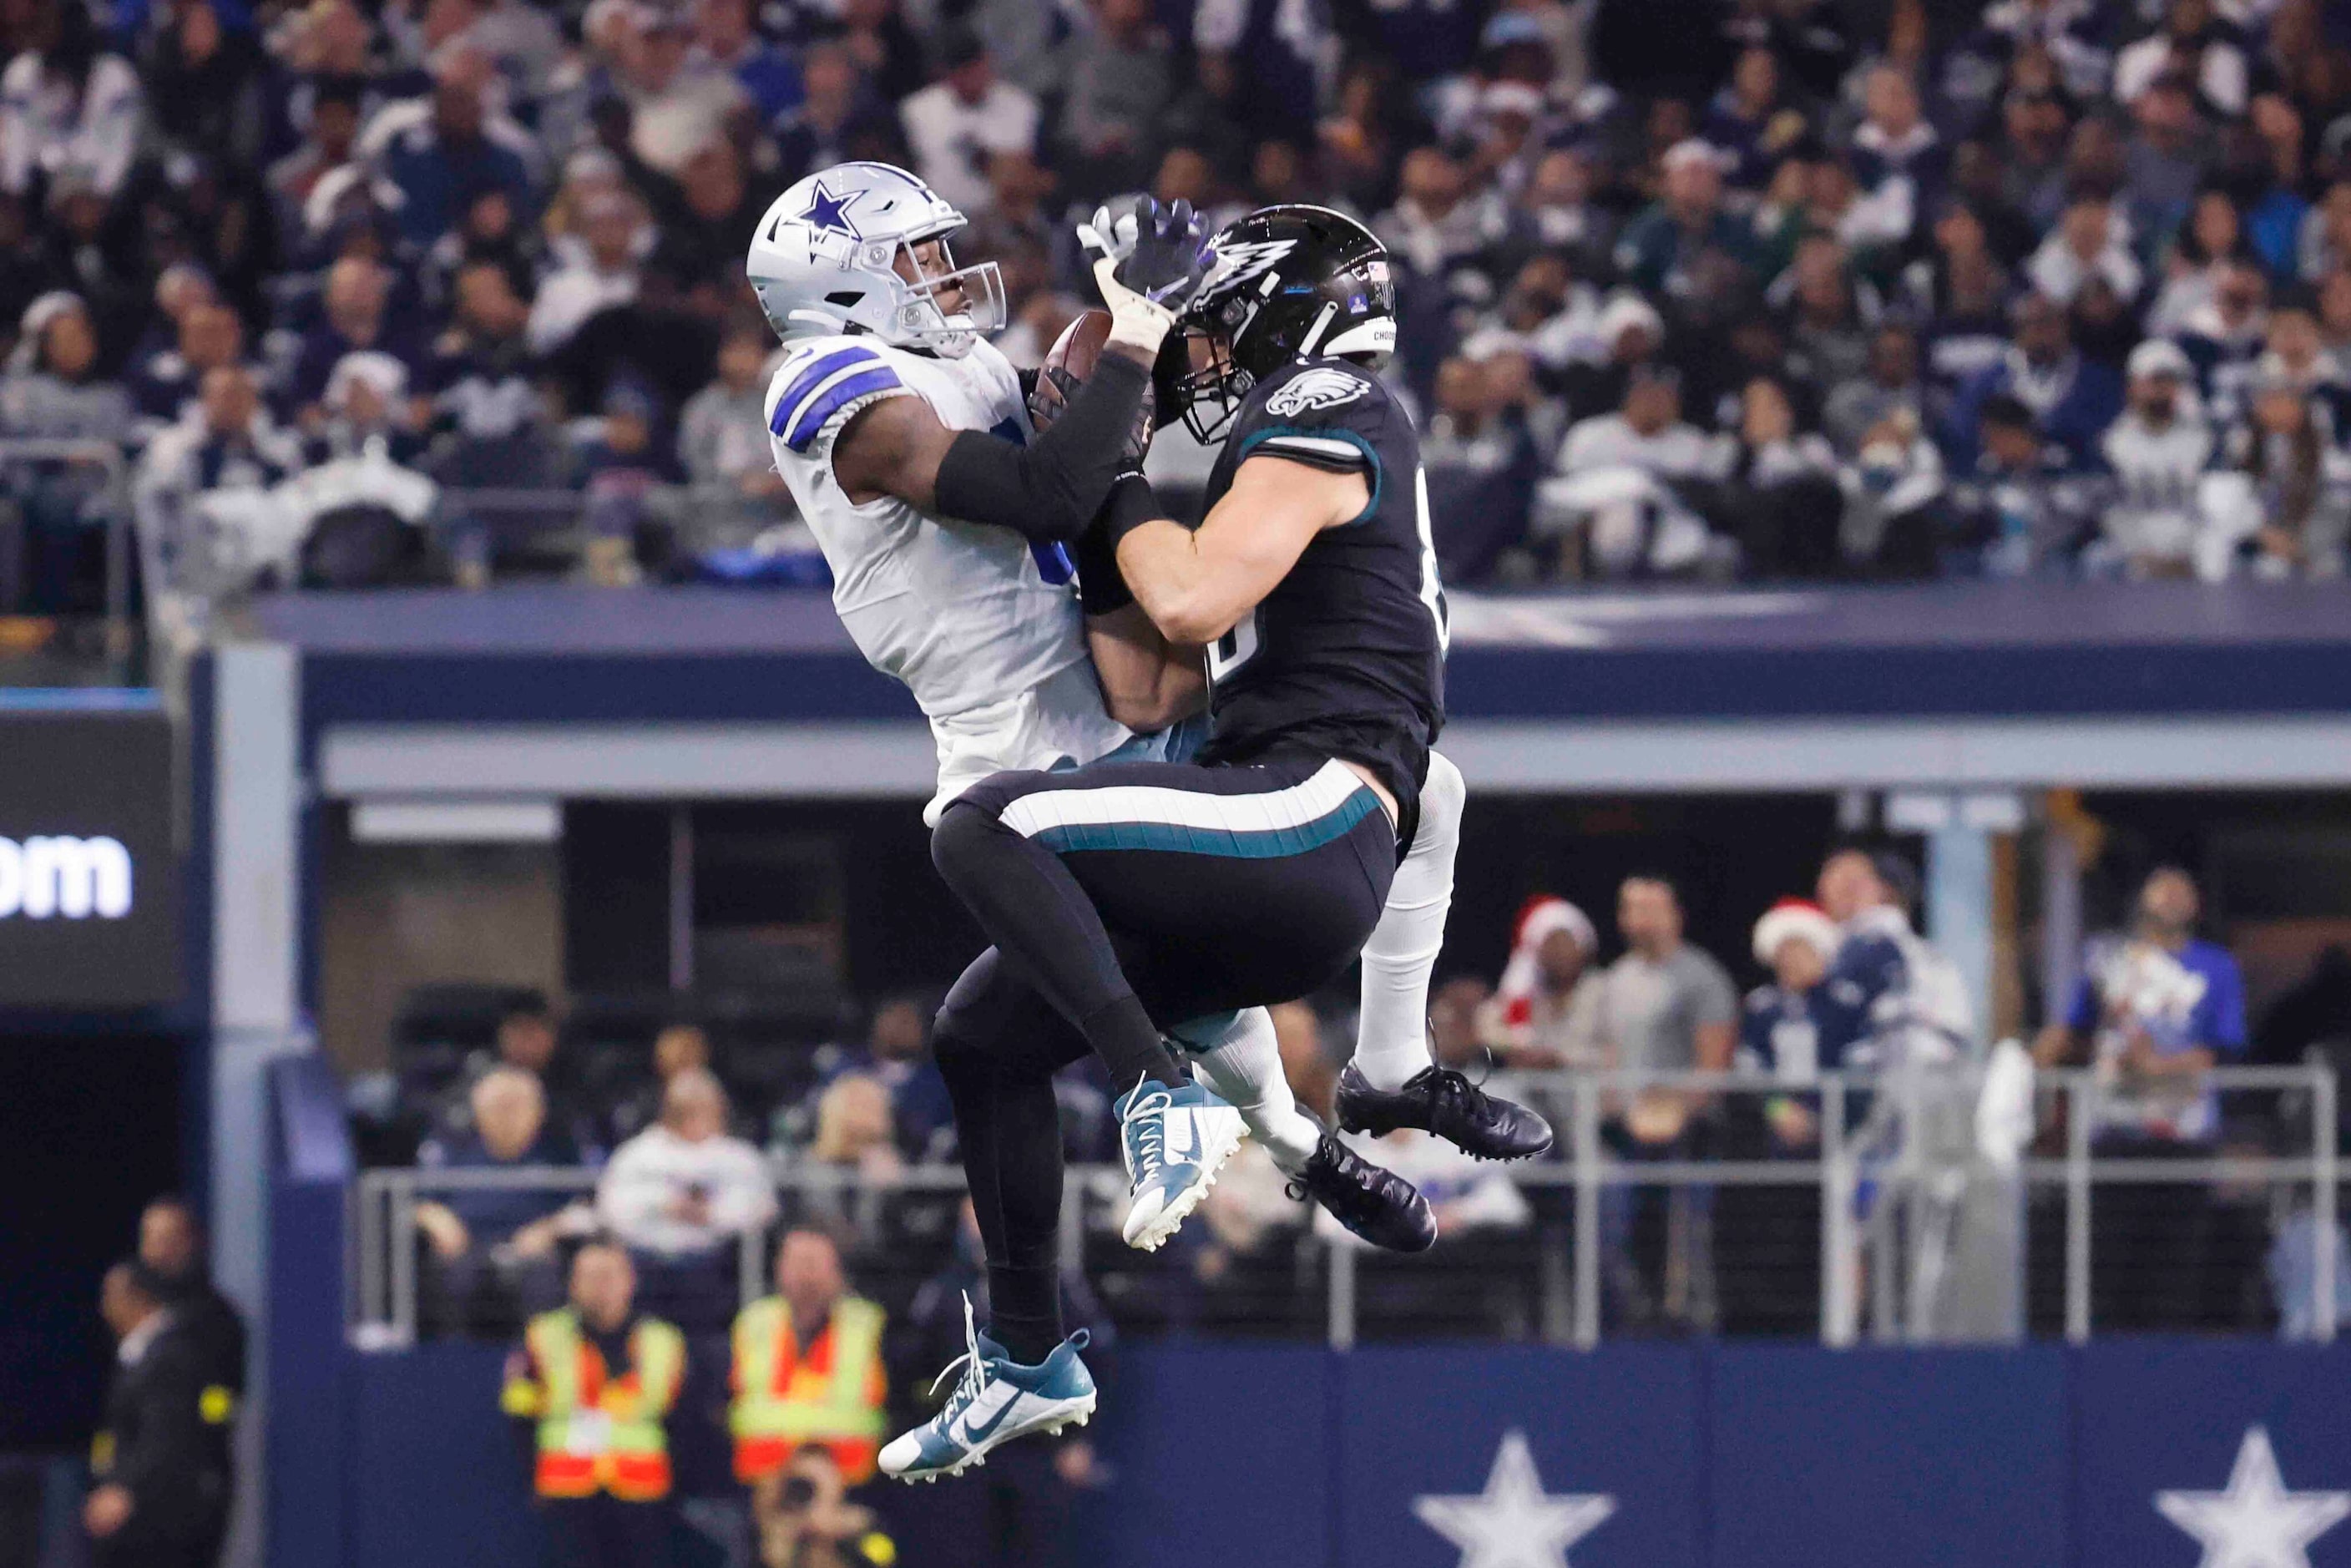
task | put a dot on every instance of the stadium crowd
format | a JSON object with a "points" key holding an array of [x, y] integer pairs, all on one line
{"points": [[708, 1139], [1690, 288]]}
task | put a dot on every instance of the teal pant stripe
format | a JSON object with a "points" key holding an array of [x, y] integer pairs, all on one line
{"points": [[1272, 843]]}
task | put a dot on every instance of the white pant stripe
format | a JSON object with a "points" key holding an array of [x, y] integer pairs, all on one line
{"points": [[1295, 806]]}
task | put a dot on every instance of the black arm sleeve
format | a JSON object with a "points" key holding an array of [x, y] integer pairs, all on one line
{"points": [[1051, 490], [1102, 586]]}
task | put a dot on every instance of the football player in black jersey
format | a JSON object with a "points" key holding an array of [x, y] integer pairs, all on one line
{"points": [[1138, 895]]}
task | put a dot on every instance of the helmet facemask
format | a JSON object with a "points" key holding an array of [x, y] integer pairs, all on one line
{"points": [[921, 316]]}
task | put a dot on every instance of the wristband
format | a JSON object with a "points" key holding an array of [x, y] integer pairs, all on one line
{"points": [[1135, 322], [1131, 504]]}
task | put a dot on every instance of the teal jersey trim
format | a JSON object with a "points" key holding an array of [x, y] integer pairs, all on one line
{"points": [[1272, 843], [1337, 433]]}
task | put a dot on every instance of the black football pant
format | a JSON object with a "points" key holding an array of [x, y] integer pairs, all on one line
{"points": [[1126, 898]]}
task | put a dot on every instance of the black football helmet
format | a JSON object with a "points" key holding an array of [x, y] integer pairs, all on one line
{"points": [[1289, 281]]}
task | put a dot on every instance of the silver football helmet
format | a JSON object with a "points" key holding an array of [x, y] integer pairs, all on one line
{"points": [[838, 253]]}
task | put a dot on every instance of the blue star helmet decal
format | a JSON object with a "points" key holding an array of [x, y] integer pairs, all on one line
{"points": [[828, 213]]}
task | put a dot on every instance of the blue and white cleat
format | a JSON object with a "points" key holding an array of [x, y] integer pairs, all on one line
{"points": [[1174, 1141], [994, 1401]]}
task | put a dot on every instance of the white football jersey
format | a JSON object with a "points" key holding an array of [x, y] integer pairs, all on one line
{"points": [[991, 642]]}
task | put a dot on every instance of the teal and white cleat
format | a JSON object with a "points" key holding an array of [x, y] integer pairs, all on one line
{"points": [[1174, 1141], [996, 1400]]}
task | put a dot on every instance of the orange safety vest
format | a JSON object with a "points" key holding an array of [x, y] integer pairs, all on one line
{"points": [[830, 1393], [598, 1432]]}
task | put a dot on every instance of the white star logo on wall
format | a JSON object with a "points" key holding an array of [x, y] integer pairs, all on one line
{"points": [[2256, 1523], [1514, 1523]]}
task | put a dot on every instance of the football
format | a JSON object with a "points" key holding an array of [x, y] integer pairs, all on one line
{"points": [[1067, 364]]}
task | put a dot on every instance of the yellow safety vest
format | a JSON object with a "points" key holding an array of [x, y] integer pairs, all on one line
{"points": [[831, 1393], [599, 1431]]}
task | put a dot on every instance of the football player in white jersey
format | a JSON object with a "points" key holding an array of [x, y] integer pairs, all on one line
{"points": [[949, 520]]}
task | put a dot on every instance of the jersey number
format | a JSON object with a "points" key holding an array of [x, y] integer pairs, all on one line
{"points": [[1234, 649], [1432, 592]]}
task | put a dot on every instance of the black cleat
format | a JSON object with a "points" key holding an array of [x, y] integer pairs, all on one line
{"points": [[1440, 1100], [1378, 1204]]}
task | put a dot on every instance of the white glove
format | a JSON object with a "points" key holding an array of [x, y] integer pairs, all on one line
{"points": [[1148, 264]]}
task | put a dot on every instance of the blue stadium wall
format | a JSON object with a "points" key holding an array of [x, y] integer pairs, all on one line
{"points": [[1726, 1456]]}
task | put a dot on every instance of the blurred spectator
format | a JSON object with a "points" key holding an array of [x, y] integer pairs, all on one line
{"points": [[439, 148], [1890, 991], [2157, 521], [2090, 241], [678, 1047], [526, 1039], [722, 438], [896, 1055], [2167, 158], [681, 1194], [2225, 335], [353, 319], [1548, 1011], [2207, 243], [808, 1368], [1778, 490], [1890, 385], [726, 39], [1661, 244], [327, 142], [2021, 509], [1481, 462], [1779, 1033], [805, 1519], [591, 1390], [1615, 500], [51, 392], [2072, 399], [1752, 120], [1117, 80], [603, 272], [202, 85], [209, 337], [494, 1248], [487, 405], [1899, 161], [2154, 1010], [677, 102], [219, 469], [159, 1461], [2194, 45], [836, 121], [955, 122], [1895, 517], [2296, 505], [172, 1251], [1668, 1006], [66, 103]]}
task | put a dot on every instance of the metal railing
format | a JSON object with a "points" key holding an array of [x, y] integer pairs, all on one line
{"points": [[1905, 1194]]}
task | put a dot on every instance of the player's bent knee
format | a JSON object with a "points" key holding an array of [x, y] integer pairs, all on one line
{"points": [[961, 842], [1442, 800]]}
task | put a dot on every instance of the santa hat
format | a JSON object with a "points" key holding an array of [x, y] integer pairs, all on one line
{"points": [[1797, 917], [1541, 917]]}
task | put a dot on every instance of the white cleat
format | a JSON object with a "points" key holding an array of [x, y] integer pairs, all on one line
{"points": [[1174, 1142]]}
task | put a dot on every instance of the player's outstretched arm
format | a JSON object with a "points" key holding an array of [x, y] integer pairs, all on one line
{"points": [[1197, 584], [1052, 488]]}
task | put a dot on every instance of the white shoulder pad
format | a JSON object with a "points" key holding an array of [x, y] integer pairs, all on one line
{"points": [[824, 381]]}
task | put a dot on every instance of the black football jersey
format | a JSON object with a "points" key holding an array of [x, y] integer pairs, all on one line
{"points": [[1346, 656]]}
